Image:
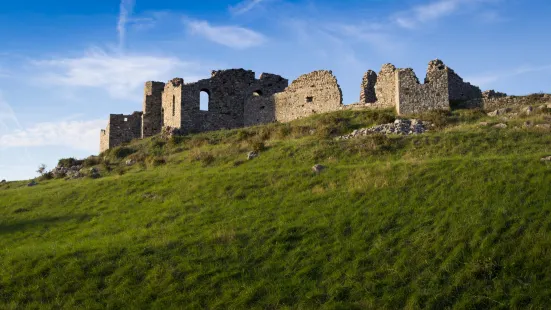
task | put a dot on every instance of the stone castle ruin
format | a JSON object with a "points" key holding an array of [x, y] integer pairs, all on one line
{"points": [[237, 99]]}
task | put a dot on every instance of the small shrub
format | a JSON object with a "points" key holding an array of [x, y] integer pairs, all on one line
{"points": [[176, 140], [155, 161], [91, 161], [243, 135], [440, 118], [238, 162], [69, 162], [46, 176], [257, 145], [206, 158], [107, 165], [122, 152]]}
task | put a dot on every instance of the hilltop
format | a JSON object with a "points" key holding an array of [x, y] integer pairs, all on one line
{"points": [[455, 217]]}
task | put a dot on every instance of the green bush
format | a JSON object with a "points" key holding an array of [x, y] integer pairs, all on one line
{"points": [[155, 161], [122, 152], [69, 162], [91, 161]]}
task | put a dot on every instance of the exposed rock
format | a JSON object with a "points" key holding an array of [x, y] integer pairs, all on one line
{"points": [[72, 172], [544, 126], [499, 112], [483, 124], [252, 155], [528, 124], [32, 183], [129, 162], [317, 168], [3, 181], [528, 110], [492, 94], [547, 158], [94, 173], [399, 127], [500, 125]]}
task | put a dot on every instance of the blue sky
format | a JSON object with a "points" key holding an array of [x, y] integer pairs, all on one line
{"points": [[65, 65]]}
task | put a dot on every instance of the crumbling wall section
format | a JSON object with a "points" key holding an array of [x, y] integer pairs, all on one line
{"points": [[312, 93], [260, 104], [152, 118], [385, 89], [172, 103], [413, 97], [367, 93], [121, 129]]}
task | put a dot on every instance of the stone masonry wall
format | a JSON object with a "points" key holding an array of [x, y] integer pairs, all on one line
{"points": [[367, 94], [172, 103], [385, 89], [152, 118], [458, 90], [121, 129], [259, 104], [312, 93], [413, 97]]}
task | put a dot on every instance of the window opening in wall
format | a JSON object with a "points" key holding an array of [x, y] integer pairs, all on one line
{"points": [[125, 119], [309, 99], [204, 100], [257, 93], [173, 105]]}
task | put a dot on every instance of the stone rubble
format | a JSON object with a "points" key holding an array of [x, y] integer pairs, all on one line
{"points": [[547, 158], [499, 112], [72, 172], [500, 125], [317, 168], [398, 127], [252, 155], [94, 173]]}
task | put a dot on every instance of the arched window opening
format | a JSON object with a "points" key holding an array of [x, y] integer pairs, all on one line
{"points": [[204, 100], [173, 105], [257, 93]]}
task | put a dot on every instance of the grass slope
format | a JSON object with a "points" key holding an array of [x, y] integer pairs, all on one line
{"points": [[459, 217]]}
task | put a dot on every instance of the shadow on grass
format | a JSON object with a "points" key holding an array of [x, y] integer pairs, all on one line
{"points": [[22, 225]]}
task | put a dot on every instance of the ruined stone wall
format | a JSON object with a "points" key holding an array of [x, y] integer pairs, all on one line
{"points": [[121, 129], [104, 139], [312, 93], [367, 93], [413, 97], [172, 103], [152, 118], [259, 104], [385, 89], [458, 90]]}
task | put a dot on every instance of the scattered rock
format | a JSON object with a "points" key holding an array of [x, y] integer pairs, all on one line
{"points": [[318, 168], [547, 158], [528, 124], [528, 110], [500, 125], [129, 162], [94, 173], [544, 126], [499, 112], [483, 124], [72, 172], [32, 183], [399, 127], [492, 94], [252, 155]]}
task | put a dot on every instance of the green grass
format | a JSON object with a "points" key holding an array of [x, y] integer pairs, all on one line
{"points": [[455, 218]]}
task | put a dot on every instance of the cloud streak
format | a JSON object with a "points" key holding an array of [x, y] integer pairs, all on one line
{"points": [[244, 6], [79, 135], [119, 74], [8, 119], [126, 7], [487, 79], [230, 36], [432, 11]]}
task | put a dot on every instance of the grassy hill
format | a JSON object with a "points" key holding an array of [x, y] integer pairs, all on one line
{"points": [[457, 217]]}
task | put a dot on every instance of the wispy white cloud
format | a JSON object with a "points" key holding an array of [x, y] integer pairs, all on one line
{"points": [[79, 135], [126, 7], [245, 6], [487, 79], [231, 36], [121, 75], [432, 11], [8, 119]]}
